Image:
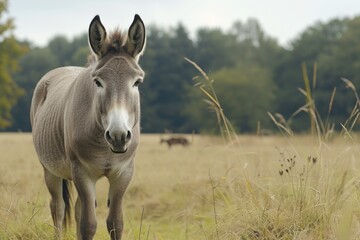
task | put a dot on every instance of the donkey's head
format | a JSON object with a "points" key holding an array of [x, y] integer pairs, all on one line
{"points": [[116, 78]]}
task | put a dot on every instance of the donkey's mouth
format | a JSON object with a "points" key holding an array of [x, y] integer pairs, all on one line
{"points": [[119, 151]]}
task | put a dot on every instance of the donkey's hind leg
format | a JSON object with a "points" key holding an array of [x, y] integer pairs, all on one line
{"points": [[57, 204]]}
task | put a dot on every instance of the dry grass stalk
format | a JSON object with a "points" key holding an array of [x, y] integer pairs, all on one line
{"points": [[207, 89]]}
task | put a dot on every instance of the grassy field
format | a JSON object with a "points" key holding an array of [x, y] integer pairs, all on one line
{"points": [[269, 187]]}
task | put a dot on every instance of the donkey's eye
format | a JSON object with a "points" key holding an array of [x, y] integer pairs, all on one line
{"points": [[98, 84], [137, 83]]}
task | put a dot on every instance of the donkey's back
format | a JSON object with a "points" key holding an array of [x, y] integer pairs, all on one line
{"points": [[47, 118]]}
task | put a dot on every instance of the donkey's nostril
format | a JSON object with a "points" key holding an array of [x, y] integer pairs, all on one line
{"points": [[128, 136], [108, 137]]}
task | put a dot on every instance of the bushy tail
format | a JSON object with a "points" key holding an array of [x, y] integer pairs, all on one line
{"points": [[67, 196]]}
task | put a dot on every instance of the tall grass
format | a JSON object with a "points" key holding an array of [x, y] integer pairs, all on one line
{"points": [[354, 116], [308, 202], [318, 127], [205, 85]]}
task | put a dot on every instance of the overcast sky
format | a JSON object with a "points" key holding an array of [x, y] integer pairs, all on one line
{"points": [[40, 20]]}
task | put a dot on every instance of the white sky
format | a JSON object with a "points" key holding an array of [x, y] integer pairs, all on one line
{"points": [[40, 20]]}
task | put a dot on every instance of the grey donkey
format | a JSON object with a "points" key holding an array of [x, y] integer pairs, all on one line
{"points": [[86, 125]]}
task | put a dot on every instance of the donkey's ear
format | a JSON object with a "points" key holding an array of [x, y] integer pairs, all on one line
{"points": [[135, 43], [97, 37]]}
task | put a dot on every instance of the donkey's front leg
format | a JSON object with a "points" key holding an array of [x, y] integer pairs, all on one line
{"points": [[57, 205], [85, 204], [118, 185]]}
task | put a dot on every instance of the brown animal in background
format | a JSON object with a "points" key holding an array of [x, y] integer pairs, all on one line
{"points": [[176, 140], [86, 125]]}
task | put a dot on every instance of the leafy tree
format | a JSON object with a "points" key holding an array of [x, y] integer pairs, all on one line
{"points": [[215, 49], [60, 47], [241, 62], [167, 75], [246, 93], [342, 61], [334, 46], [39, 61], [34, 65], [253, 46], [79, 50], [10, 52]]}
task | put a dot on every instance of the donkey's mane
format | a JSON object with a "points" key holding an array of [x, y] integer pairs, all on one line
{"points": [[114, 44], [117, 39]]}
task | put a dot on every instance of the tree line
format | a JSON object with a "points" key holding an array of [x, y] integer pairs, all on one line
{"points": [[253, 74]]}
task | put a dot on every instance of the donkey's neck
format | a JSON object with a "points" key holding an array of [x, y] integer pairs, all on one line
{"points": [[82, 113]]}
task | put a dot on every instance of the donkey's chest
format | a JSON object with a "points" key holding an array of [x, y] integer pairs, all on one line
{"points": [[104, 164], [97, 157], [109, 165]]}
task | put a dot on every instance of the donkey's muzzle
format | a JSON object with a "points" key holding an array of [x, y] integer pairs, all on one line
{"points": [[118, 140]]}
